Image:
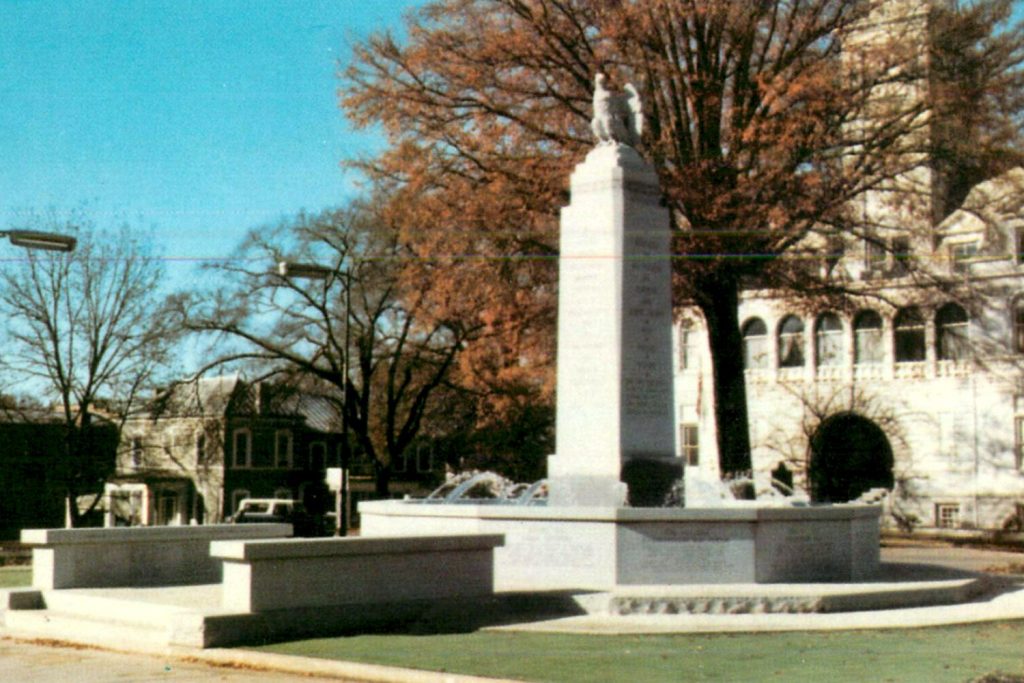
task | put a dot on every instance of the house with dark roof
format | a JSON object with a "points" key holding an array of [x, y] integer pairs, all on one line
{"points": [[199, 448]]}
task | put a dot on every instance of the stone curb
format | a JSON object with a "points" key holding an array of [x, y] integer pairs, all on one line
{"points": [[1005, 606], [354, 672], [328, 668]]}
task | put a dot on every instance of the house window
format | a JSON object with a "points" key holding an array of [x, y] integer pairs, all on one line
{"points": [[1018, 446], [283, 448], [828, 340], [755, 344], [242, 448], [399, 464], [909, 335], [877, 260], [951, 332], [424, 458], [791, 342], [318, 456], [689, 441], [200, 448], [237, 496], [947, 515], [961, 254], [900, 256], [136, 452], [874, 255], [867, 338]]}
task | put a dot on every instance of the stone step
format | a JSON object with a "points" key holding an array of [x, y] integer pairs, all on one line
{"points": [[788, 599], [75, 628], [104, 608], [101, 607]]}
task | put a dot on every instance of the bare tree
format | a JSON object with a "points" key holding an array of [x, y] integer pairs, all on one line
{"points": [[361, 326], [86, 327]]}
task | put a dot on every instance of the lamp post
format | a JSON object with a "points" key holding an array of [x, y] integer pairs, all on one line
{"points": [[45, 241], [314, 271], [34, 239]]}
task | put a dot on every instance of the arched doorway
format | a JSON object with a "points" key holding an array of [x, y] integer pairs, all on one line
{"points": [[849, 455]]}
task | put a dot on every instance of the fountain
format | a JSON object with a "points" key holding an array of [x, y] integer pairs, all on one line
{"points": [[602, 525]]}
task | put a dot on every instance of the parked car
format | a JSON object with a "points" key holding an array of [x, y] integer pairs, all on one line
{"points": [[275, 510]]}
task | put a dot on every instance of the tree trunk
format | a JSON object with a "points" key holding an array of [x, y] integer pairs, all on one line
{"points": [[71, 467], [382, 479], [718, 302]]}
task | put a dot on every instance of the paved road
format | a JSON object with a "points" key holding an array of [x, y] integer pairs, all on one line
{"points": [[29, 663], [955, 557]]}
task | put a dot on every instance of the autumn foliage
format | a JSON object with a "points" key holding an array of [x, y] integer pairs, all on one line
{"points": [[764, 120]]}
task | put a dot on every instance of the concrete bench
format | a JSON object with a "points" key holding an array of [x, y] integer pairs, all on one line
{"points": [[329, 572], [134, 556]]}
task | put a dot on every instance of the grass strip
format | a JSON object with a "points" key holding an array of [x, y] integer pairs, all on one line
{"points": [[953, 654], [15, 577]]}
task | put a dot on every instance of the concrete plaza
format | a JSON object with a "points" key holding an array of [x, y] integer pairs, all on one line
{"points": [[26, 660]]}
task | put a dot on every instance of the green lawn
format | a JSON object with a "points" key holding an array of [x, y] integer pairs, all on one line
{"points": [[933, 655], [15, 577]]}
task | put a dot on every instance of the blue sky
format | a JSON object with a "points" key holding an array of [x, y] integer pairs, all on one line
{"points": [[198, 119]]}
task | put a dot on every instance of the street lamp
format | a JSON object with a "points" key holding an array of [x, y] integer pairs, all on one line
{"points": [[34, 239], [306, 271], [315, 271]]}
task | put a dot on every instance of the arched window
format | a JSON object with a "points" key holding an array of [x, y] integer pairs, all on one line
{"points": [[951, 332], [828, 340], [755, 344], [867, 338], [687, 348], [791, 342], [908, 333]]}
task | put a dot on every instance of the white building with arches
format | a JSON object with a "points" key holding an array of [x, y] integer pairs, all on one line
{"points": [[907, 396], [911, 391]]}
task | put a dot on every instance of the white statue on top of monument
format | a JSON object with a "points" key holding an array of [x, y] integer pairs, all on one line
{"points": [[618, 116]]}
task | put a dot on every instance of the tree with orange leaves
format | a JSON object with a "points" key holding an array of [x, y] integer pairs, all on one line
{"points": [[766, 122]]}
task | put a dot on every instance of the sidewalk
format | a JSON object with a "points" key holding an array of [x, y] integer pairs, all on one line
{"points": [[57, 663]]}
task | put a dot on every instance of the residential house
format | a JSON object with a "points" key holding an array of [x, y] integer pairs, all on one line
{"points": [[200, 447]]}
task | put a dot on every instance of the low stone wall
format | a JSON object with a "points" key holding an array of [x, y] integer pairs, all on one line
{"points": [[598, 548], [323, 573], [134, 556]]}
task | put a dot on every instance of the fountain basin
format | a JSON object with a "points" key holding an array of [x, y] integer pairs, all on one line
{"points": [[599, 548]]}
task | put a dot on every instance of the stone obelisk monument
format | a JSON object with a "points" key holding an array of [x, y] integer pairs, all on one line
{"points": [[615, 426]]}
